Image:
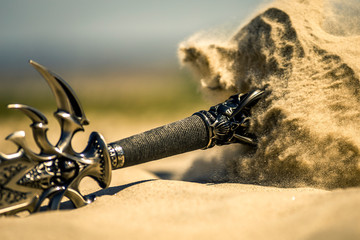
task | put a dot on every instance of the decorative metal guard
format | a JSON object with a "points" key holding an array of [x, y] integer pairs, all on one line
{"points": [[27, 179]]}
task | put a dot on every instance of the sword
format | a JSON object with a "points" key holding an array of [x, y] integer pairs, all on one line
{"points": [[27, 178]]}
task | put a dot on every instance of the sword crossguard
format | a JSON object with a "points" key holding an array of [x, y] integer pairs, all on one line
{"points": [[27, 179]]}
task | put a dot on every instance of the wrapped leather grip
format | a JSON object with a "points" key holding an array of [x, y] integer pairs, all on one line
{"points": [[178, 137]]}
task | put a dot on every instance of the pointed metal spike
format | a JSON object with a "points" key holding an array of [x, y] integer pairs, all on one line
{"points": [[39, 127], [19, 139], [66, 99], [35, 115], [249, 99], [69, 126], [244, 139]]}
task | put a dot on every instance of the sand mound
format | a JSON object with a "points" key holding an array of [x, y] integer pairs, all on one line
{"points": [[305, 54]]}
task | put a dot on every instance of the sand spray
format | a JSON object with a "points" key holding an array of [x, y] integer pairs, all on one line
{"points": [[305, 54]]}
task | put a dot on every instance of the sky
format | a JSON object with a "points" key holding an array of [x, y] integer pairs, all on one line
{"points": [[86, 34]]}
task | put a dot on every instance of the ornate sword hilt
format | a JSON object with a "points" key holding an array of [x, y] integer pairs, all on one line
{"points": [[229, 122], [27, 178]]}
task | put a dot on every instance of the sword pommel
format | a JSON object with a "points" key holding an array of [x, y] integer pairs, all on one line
{"points": [[229, 122]]}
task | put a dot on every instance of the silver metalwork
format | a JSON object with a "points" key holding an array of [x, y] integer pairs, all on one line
{"points": [[117, 156], [27, 178], [229, 122]]}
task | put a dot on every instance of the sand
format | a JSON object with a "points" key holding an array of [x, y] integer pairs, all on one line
{"points": [[303, 180], [139, 205], [304, 54]]}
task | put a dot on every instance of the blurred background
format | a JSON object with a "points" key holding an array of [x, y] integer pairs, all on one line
{"points": [[119, 56], [113, 34]]}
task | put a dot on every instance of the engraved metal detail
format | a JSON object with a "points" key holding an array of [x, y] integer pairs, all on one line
{"points": [[229, 122], [28, 178], [117, 156], [7, 195]]}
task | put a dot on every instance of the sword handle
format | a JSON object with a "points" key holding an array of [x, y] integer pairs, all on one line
{"points": [[178, 137], [225, 123]]}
